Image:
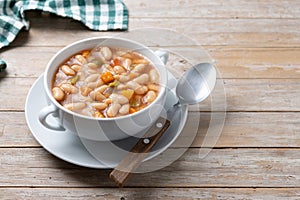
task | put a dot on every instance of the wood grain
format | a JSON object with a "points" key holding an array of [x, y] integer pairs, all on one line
{"points": [[203, 9], [14, 131], [213, 9], [253, 129], [14, 92], [225, 32], [227, 167], [150, 193]]}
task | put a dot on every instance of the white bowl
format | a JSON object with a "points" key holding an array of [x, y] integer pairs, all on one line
{"points": [[103, 129]]}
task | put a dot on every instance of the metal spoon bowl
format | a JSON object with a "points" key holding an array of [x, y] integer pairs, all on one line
{"points": [[196, 84]]}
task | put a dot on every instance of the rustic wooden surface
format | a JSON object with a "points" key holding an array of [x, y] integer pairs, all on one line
{"points": [[256, 45]]}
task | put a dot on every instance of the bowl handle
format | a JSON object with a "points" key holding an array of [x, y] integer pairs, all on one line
{"points": [[163, 55], [43, 115]]}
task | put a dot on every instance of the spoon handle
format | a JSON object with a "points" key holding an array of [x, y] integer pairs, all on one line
{"points": [[134, 158]]}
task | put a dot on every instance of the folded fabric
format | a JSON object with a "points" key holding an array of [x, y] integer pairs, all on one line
{"points": [[95, 14]]}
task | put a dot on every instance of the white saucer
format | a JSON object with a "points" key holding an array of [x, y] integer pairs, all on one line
{"points": [[69, 147]]}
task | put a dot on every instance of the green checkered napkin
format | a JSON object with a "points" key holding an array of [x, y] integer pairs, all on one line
{"points": [[95, 14]]}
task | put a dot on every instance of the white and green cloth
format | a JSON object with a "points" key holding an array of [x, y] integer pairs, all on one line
{"points": [[99, 15]]}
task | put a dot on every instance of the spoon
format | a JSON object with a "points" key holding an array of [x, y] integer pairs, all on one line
{"points": [[193, 87]]}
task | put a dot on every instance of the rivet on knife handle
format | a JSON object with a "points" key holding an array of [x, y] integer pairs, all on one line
{"points": [[141, 149]]}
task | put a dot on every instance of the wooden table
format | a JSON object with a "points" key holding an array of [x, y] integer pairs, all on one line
{"points": [[256, 45]]}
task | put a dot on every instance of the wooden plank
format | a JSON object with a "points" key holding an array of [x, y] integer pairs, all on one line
{"points": [[231, 62], [204, 9], [27, 61], [238, 62], [150, 193], [213, 9], [258, 63], [240, 130], [14, 131], [14, 92], [261, 129], [226, 32], [220, 168], [254, 95], [241, 94]]}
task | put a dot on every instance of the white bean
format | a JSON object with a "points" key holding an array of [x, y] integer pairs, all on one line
{"points": [[113, 110], [97, 96], [85, 91], [75, 106], [140, 61], [108, 101], [76, 67], [142, 79], [141, 90], [149, 97], [99, 106], [78, 98], [153, 87], [81, 76], [124, 78], [92, 71], [133, 85], [68, 70], [58, 93], [120, 53], [92, 65], [99, 83], [106, 66], [92, 78], [117, 98], [138, 68], [124, 109], [86, 111], [69, 88], [81, 59], [119, 69], [93, 85], [127, 63], [121, 86], [102, 88], [87, 99], [154, 77], [106, 52]]}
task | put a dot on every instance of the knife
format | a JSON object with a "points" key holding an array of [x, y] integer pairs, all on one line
{"points": [[135, 157]]}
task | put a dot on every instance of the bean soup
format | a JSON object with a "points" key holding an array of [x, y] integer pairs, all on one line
{"points": [[106, 82]]}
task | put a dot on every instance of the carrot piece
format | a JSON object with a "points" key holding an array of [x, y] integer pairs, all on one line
{"points": [[116, 62], [107, 77], [132, 110], [98, 114], [85, 53]]}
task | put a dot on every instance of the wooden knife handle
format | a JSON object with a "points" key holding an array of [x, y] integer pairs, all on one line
{"points": [[134, 158]]}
